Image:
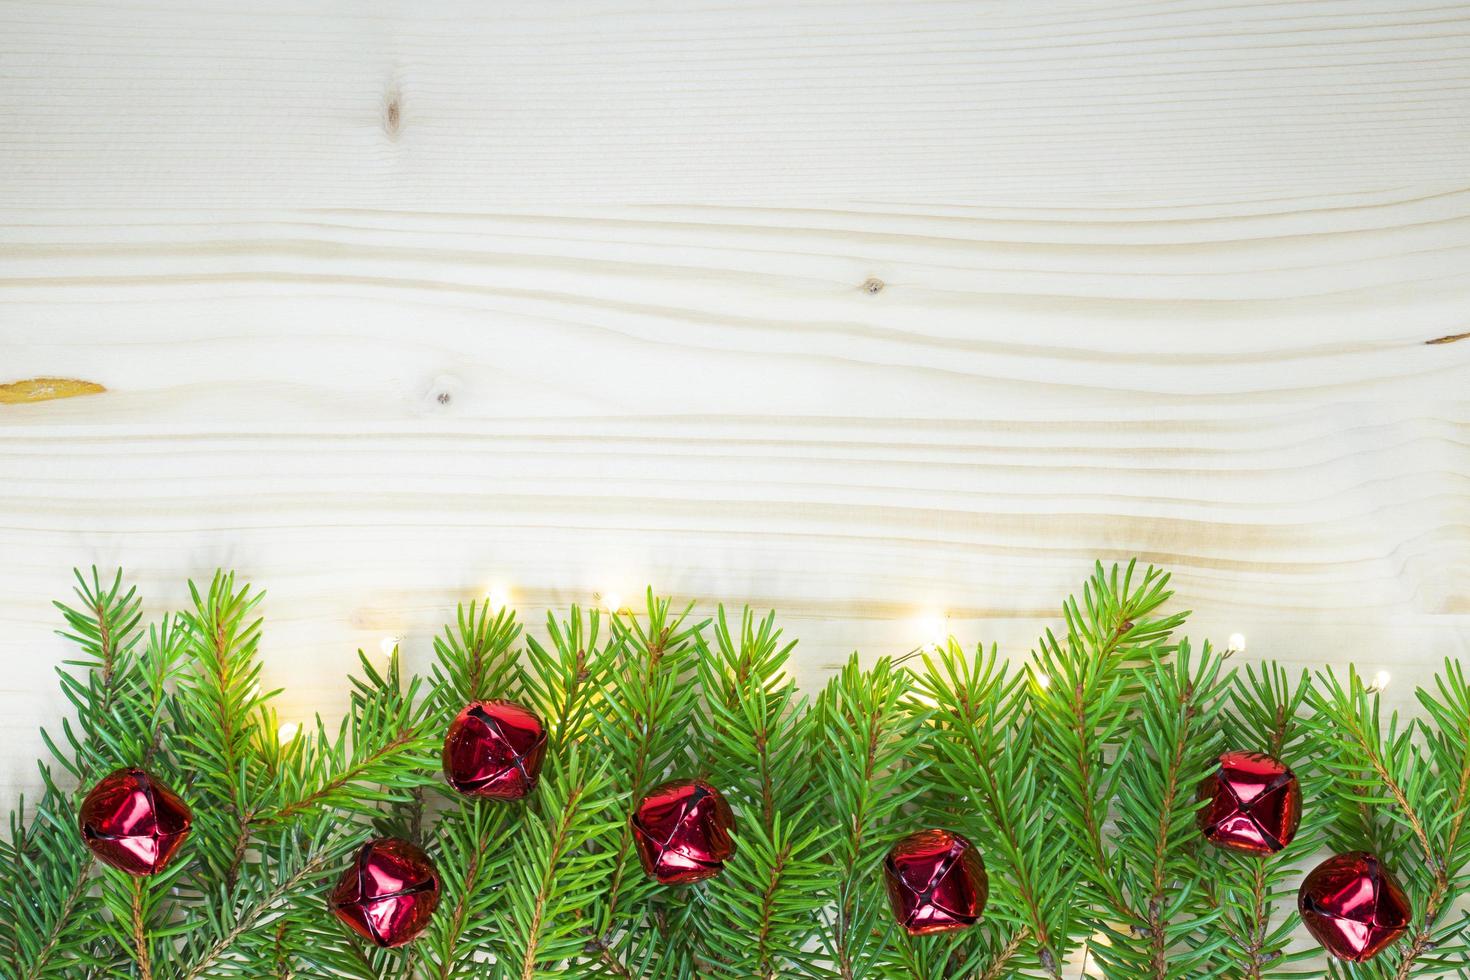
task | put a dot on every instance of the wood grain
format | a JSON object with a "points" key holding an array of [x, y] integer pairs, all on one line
{"points": [[863, 311]]}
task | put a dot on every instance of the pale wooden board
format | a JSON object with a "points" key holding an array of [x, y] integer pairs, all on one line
{"points": [[394, 302]]}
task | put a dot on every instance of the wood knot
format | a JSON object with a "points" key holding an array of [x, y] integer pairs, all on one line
{"points": [[873, 285], [393, 115], [46, 389], [439, 395]]}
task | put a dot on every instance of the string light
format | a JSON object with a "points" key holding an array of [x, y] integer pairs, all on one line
{"points": [[611, 600], [388, 645], [1236, 643], [498, 595], [288, 731], [1043, 681], [1380, 681], [932, 627]]}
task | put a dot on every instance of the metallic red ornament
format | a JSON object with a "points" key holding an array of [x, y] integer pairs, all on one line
{"points": [[936, 882], [1353, 906], [389, 893], [682, 830], [133, 822], [1255, 804], [494, 750]]}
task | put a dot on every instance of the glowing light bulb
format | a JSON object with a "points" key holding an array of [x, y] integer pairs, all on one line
{"points": [[612, 600], [1380, 681], [1236, 643], [499, 596], [288, 731], [932, 627], [388, 645], [1043, 681]]}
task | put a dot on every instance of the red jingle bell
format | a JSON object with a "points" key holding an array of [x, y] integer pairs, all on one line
{"points": [[494, 750], [1254, 804], [1353, 906], [133, 822], [936, 882], [682, 831], [389, 893]]}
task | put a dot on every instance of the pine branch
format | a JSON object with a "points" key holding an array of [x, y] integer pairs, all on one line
{"points": [[47, 917], [1425, 840], [562, 683], [233, 914], [553, 873], [475, 659], [1447, 748], [1076, 775], [1265, 715], [1092, 681], [220, 703], [473, 847], [870, 761], [756, 750], [383, 752], [646, 712], [298, 801], [985, 748], [1168, 751]]}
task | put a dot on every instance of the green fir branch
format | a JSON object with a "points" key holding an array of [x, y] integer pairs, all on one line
{"points": [[1405, 800], [50, 921], [1170, 746], [984, 746], [1265, 714], [1084, 706], [554, 873], [756, 748], [868, 756], [1076, 775], [644, 715]]}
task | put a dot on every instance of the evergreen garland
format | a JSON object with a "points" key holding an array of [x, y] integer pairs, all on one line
{"points": [[1074, 771]]}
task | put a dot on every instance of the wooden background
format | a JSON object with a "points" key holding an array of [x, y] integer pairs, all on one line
{"points": [[878, 313]]}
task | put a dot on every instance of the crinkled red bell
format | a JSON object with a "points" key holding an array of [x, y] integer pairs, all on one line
{"points": [[389, 893], [1254, 804], [133, 822], [936, 882], [1353, 906], [682, 831], [494, 750]]}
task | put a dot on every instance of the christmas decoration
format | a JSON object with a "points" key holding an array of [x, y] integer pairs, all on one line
{"points": [[1253, 804], [1353, 906], [389, 893], [936, 882], [133, 822], [1078, 773], [682, 830], [494, 750]]}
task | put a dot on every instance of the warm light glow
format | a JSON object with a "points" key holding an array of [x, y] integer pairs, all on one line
{"points": [[1236, 643], [288, 731], [1380, 681], [388, 645], [612, 600], [932, 628], [499, 596], [1043, 681]]}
